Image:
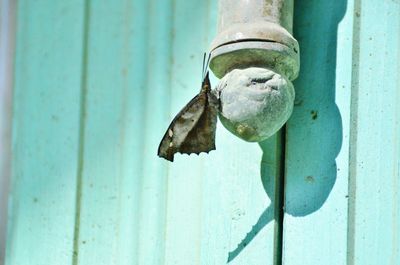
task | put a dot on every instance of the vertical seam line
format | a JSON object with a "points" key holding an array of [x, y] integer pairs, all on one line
{"points": [[167, 172], [280, 196], [82, 120], [353, 132]]}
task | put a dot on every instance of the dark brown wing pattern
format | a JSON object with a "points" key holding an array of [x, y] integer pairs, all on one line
{"points": [[193, 128]]}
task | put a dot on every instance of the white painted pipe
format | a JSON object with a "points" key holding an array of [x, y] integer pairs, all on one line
{"points": [[257, 57]]}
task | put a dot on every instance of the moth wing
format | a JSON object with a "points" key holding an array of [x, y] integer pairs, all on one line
{"points": [[202, 137], [181, 126]]}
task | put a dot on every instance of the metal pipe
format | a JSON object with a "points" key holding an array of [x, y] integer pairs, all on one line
{"points": [[255, 33], [257, 57], [242, 11]]}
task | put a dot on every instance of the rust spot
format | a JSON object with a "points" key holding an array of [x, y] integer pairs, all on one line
{"points": [[310, 179], [314, 114]]}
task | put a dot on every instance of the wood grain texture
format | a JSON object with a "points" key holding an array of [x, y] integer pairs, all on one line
{"points": [[185, 198], [7, 47], [316, 148], [46, 113], [215, 200], [112, 135], [341, 198], [97, 84], [375, 154]]}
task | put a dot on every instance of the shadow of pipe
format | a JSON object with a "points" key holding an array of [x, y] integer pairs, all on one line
{"points": [[263, 220], [270, 178], [314, 132]]}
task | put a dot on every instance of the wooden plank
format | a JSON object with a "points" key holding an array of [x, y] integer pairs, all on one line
{"points": [[130, 208], [7, 42], [214, 200], [123, 184], [186, 174], [45, 132], [365, 232], [154, 187], [317, 147], [126, 116], [241, 207], [375, 151]]}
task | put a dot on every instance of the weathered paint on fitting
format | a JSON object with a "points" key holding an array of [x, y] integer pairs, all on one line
{"points": [[255, 31], [255, 102], [255, 36]]}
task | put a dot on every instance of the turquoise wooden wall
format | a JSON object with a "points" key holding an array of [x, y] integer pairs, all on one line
{"points": [[96, 84], [7, 30]]}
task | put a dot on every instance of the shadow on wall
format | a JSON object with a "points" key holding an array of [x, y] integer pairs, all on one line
{"points": [[314, 132], [314, 135]]}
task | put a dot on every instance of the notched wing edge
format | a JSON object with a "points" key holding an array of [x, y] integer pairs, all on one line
{"points": [[171, 150]]}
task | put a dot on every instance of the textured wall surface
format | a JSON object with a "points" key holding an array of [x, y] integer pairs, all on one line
{"points": [[7, 30], [342, 162], [96, 85]]}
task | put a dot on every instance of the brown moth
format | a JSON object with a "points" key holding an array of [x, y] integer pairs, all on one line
{"points": [[193, 129]]}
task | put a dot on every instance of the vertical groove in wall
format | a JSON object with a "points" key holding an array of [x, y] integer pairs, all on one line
{"points": [[395, 177], [280, 197], [82, 119], [7, 40], [142, 42], [142, 144], [169, 105], [353, 132], [396, 171], [152, 212]]}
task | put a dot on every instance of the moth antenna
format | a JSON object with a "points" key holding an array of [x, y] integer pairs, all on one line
{"points": [[208, 60], [206, 65], [204, 61]]}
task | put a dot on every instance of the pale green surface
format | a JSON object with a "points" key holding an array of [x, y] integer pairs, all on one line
{"points": [[7, 47], [114, 109], [45, 132], [92, 102], [341, 197], [375, 136], [315, 221], [96, 85]]}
